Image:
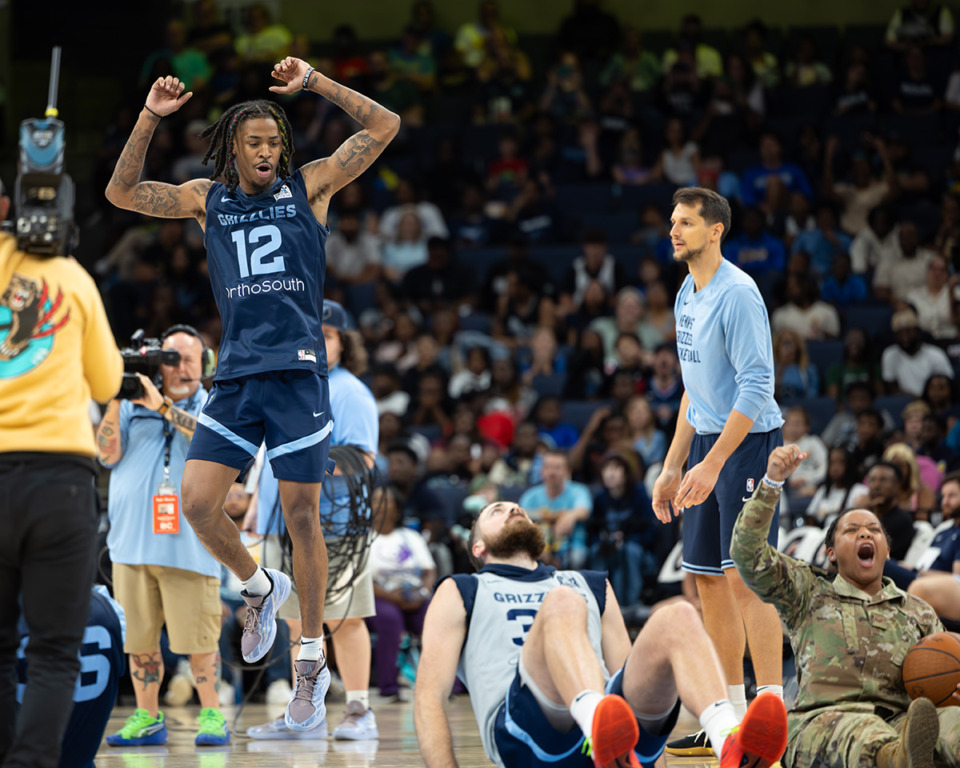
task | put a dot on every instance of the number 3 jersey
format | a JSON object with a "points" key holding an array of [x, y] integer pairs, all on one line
{"points": [[266, 259], [501, 603]]}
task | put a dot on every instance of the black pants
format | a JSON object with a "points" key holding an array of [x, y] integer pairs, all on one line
{"points": [[48, 525]]}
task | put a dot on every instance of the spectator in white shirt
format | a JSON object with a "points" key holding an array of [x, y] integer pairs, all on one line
{"points": [[838, 490], [905, 270], [353, 254], [407, 199], [804, 313], [933, 302], [906, 365], [796, 431], [876, 241]]}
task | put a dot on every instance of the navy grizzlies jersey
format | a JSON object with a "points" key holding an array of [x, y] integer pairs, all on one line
{"points": [[102, 664], [267, 260]]}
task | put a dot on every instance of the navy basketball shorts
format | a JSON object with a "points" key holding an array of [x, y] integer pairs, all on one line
{"points": [[708, 527], [525, 737], [288, 410]]}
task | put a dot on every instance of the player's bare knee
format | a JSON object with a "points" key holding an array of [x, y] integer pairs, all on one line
{"points": [[677, 621], [302, 519], [681, 617], [563, 602], [199, 512]]}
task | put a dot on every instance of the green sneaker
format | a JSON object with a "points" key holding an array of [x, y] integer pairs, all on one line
{"points": [[213, 728], [140, 730]]}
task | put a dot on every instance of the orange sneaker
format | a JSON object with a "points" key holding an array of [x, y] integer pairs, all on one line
{"points": [[615, 734], [761, 738]]}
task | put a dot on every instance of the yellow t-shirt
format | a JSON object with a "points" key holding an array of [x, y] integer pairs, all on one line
{"points": [[56, 353]]}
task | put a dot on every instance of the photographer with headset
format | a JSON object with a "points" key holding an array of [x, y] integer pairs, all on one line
{"points": [[162, 574], [56, 353]]}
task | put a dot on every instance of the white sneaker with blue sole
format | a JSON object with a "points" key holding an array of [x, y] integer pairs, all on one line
{"points": [[307, 707], [260, 626], [277, 730], [359, 723]]}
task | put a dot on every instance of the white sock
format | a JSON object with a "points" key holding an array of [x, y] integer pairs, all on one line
{"points": [[582, 708], [258, 584], [311, 649], [738, 697], [362, 696], [718, 720], [775, 689]]}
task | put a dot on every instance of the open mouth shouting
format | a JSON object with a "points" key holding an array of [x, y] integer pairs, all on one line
{"points": [[866, 553]]}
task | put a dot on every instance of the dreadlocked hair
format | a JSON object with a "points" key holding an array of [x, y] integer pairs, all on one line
{"points": [[224, 132]]}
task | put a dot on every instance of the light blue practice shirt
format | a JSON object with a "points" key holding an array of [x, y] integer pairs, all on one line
{"points": [[134, 481], [726, 352]]}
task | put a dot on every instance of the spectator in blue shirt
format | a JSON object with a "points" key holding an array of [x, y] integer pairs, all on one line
{"points": [[547, 414], [755, 250], [842, 288], [757, 179], [561, 506], [824, 243]]}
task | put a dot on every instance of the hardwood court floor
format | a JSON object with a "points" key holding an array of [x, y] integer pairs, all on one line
{"points": [[397, 746]]}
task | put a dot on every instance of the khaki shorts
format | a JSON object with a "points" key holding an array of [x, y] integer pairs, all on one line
{"points": [[154, 595], [351, 603]]}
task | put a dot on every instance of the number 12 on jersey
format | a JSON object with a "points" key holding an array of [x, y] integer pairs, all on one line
{"points": [[256, 265]]}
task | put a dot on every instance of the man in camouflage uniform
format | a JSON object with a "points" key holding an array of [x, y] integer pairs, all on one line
{"points": [[850, 633]]}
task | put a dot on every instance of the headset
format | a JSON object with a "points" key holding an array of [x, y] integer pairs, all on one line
{"points": [[208, 360]]}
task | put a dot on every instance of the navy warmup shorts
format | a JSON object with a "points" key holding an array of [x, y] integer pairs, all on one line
{"points": [[289, 410], [708, 527]]}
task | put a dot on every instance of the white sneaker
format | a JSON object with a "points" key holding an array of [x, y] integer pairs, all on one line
{"points": [[228, 694], [279, 692], [277, 730], [260, 626], [307, 709], [358, 724], [180, 688]]}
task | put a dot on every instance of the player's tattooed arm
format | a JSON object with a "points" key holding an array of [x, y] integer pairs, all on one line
{"points": [[126, 190], [357, 153]]}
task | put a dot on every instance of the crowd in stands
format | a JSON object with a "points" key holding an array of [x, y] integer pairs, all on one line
{"points": [[509, 265]]}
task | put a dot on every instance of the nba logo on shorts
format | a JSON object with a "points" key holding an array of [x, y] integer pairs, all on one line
{"points": [[749, 485]]}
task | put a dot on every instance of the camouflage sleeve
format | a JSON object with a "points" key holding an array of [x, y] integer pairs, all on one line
{"points": [[777, 579]]}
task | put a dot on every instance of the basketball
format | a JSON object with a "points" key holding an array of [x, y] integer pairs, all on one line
{"points": [[932, 669]]}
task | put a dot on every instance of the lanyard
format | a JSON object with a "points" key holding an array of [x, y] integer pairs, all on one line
{"points": [[168, 441]]}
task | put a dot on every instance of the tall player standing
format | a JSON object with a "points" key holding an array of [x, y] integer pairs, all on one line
{"points": [[265, 230], [728, 424]]}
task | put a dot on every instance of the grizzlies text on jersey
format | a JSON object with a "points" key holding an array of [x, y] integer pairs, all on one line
{"points": [[267, 260]]}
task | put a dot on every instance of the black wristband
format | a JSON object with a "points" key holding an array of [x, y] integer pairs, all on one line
{"points": [[159, 117], [306, 79]]}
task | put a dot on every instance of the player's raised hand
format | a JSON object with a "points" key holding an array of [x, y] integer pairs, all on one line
{"points": [[290, 71], [166, 96]]}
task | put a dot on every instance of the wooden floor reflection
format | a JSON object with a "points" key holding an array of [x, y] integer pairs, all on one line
{"points": [[397, 746]]}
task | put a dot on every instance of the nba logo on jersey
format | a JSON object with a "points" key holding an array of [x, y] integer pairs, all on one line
{"points": [[749, 485], [284, 192]]}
